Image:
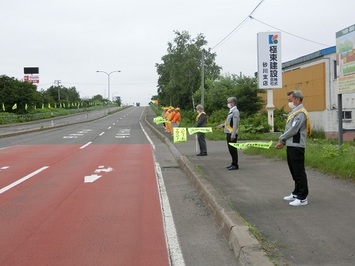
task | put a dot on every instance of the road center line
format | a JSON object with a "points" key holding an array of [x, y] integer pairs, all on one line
{"points": [[23, 179], [84, 146], [101, 133]]}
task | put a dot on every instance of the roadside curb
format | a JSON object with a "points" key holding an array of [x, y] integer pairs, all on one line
{"points": [[245, 247]]}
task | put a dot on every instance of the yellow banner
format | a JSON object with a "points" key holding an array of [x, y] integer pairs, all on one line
{"points": [[193, 130], [245, 145], [160, 120], [179, 134]]}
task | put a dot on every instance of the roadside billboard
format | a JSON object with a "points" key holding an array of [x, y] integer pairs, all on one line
{"points": [[345, 54], [31, 74], [269, 60]]}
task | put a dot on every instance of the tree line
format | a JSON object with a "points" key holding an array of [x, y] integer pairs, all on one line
{"points": [[22, 97], [179, 78]]}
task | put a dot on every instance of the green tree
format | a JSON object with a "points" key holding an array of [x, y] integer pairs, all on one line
{"points": [[13, 91], [180, 70], [243, 88], [97, 98]]}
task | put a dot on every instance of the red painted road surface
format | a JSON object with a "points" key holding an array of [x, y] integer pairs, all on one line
{"points": [[54, 218]]}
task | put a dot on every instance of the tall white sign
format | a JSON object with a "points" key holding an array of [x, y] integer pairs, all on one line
{"points": [[269, 60], [345, 52]]}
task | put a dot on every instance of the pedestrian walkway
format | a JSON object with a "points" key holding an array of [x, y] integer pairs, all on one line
{"points": [[321, 233]]}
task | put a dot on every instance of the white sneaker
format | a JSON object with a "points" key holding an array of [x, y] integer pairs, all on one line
{"points": [[290, 197], [298, 202]]}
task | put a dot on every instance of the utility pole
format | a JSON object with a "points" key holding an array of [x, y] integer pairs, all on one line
{"points": [[57, 82], [203, 79]]}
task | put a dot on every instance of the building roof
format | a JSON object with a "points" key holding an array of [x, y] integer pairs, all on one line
{"points": [[309, 57]]}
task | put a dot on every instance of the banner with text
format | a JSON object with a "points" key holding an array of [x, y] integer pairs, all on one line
{"points": [[160, 120], [193, 130], [179, 134], [245, 145]]}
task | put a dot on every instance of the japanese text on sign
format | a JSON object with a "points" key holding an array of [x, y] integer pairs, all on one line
{"points": [[269, 60]]}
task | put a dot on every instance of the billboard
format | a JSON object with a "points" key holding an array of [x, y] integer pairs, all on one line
{"points": [[345, 54], [31, 70], [31, 74], [269, 60], [31, 78]]}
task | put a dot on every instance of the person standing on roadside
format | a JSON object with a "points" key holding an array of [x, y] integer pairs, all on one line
{"points": [[177, 118], [298, 127], [201, 121], [231, 129]]}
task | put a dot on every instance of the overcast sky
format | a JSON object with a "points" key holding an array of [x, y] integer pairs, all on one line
{"points": [[69, 40]]}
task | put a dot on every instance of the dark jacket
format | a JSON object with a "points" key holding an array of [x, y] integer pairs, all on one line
{"points": [[201, 120]]}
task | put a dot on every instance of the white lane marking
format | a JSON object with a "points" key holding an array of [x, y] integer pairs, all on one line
{"points": [[4, 148], [84, 146], [91, 178], [4, 168], [146, 135], [101, 133], [114, 124], [23, 179], [174, 248], [109, 128], [172, 240]]}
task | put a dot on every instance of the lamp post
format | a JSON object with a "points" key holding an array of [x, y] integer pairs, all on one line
{"points": [[108, 81]]}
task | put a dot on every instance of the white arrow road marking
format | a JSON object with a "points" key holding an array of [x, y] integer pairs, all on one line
{"points": [[91, 178], [23, 179], [102, 169]]}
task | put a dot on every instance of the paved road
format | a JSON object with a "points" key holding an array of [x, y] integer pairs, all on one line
{"points": [[56, 121], [87, 194], [321, 233]]}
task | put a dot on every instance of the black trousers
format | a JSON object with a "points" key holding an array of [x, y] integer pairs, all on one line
{"points": [[295, 160], [202, 142], [233, 151]]}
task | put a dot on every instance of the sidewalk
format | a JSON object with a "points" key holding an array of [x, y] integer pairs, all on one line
{"points": [[321, 233]]}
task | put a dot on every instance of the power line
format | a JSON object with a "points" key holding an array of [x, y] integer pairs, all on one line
{"points": [[289, 33], [238, 27]]}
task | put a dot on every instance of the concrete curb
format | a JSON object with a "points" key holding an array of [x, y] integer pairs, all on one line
{"points": [[246, 248]]}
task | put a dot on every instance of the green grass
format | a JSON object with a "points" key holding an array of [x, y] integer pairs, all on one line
{"points": [[38, 114], [324, 155]]}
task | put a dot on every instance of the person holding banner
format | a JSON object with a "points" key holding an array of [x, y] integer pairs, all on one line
{"points": [[201, 121], [177, 117], [298, 127], [231, 129]]}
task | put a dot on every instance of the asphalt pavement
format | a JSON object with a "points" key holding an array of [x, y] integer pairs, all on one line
{"points": [[321, 233], [38, 125]]}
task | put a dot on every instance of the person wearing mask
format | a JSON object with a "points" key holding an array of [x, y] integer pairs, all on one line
{"points": [[298, 127], [231, 129], [201, 121]]}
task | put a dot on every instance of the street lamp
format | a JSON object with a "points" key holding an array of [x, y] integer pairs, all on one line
{"points": [[108, 82]]}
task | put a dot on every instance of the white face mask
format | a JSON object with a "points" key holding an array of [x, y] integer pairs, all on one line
{"points": [[229, 106], [291, 105]]}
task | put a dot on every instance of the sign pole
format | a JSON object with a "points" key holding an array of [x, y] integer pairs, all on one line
{"points": [[270, 109]]}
